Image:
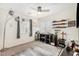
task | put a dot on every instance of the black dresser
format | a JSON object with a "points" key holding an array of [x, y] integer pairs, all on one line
{"points": [[47, 38]]}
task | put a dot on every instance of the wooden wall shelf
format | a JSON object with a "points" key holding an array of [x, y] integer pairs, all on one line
{"points": [[59, 21], [61, 24]]}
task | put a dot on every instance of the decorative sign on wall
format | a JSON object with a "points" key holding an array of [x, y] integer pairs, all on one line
{"points": [[57, 30], [72, 23]]}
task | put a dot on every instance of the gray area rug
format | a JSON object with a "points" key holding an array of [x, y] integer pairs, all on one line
{"points": [[41, 49]]}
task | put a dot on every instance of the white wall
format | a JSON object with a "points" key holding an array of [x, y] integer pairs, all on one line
{"points": [[11, 30], [2, 17], [67, 12]]}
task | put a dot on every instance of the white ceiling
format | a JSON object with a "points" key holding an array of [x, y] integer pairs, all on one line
{"points": [[26, 8]]}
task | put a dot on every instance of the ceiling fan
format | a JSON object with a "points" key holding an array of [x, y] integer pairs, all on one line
{"points": [[40, 9]]}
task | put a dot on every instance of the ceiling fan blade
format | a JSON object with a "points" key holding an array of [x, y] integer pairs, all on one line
{"points": [[34, 9], [44, 10]]}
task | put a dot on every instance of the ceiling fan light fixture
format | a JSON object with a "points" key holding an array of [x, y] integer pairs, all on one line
{"points": [[39, 12], [39, 8]]}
